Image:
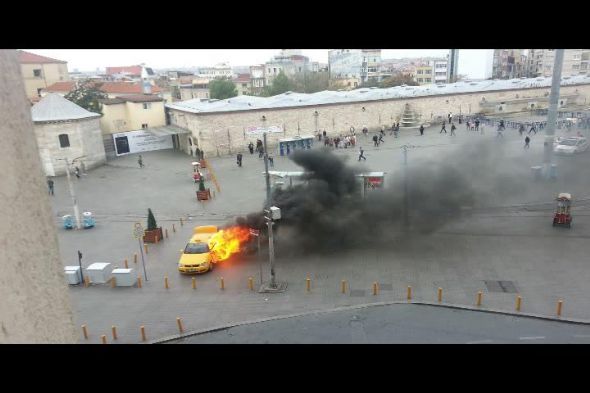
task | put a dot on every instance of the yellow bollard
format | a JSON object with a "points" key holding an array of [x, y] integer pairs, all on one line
{"points": [[181, 221], [85, 331], [86, 281], [166, 232], [375, 289], [479, 295], [126, 264], [194, 283], [157, 239], [559, 305], [250, 283], [138, 282], [166, 282], [221, 283], [142, 330], [173, 228], [104, 339], [179, 322], [518, 302], [145, 248], [343, 286], [409, 293], [113, 282], [114, 331], [308, 284], [135, 258], [439, 295]]}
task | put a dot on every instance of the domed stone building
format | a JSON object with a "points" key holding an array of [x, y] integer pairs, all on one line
{"points": [[66, 130]]}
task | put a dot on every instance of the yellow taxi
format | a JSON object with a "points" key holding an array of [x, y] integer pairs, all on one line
{"points": [[197, 256]]}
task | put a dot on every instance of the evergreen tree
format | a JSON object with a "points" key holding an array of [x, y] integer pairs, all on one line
{"points": [[151, 221]]}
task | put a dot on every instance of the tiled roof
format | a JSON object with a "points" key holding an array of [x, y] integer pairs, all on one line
{"points": [[111, 101], [242, 78], [134, 70], [290, 99], [61, 86], [54, 107], [31, 58], [141, 98], [125, 88]]}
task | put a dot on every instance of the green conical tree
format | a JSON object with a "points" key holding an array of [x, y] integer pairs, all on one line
{"points": [[151, 221]]}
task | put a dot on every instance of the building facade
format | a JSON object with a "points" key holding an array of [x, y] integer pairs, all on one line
{"points": [[289, 61], [441, 71], [362, 64], [510, 63], [540, 62], [257, 79], [66, 130], [425, 74], [221, 70], [39, 72], [243, 84], [130, 113], [226, 126]]}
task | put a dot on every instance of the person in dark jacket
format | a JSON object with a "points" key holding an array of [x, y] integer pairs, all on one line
{"points": [[251, 147], [421, 129], [239, 159]]}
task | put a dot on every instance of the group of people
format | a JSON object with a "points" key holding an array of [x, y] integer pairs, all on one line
{"points": [[453, 128], [259, 148]]}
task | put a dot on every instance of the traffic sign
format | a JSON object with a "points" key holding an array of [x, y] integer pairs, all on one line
{"points": [[138, 231]]}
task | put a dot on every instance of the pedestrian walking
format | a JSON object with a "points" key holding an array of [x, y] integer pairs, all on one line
{"points": [[443, 128], [77, 172], [382, 131], [453, 128], [527, 140], [239, 159], [381, 138], [476, 124], [251, 147], [521, 129], [365, 130], [50, 185], [421, 129], [460, 118], [324, 133], [396, 131], [140, 161], [375, 140], [361, 154], [261, 151], [467, 125], [450, 116], [271, 161], [533, 129]]}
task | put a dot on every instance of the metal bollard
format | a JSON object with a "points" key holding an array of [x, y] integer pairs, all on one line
{"points": [[145, 248], [250, 283], [114, 331], [142, 330], [375, 289], [104, 339], [479, 295], [559, 305], [518, 302], [439, 295], [138, 282], [166, 282], [126, 264], [85, 331], [221, 283], [343, 286], [113, 282], [166, 232], [179, 323], [181, 221], [409, 292], [308, 284], [173, 228], [194, 283], [135, 258]]}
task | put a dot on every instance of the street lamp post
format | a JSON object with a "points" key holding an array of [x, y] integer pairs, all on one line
{"points": [[552, 112], [72, 193], [267, 175], [406, 193], [271, 214]]}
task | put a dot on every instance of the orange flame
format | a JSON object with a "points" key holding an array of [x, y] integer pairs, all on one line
{"points": [[227, 241]]}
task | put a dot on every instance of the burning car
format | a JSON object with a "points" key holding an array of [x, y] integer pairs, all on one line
{"points": [[210, 245]]}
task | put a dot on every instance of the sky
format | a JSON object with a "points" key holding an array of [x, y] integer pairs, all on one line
{"points": [[472, 62]]}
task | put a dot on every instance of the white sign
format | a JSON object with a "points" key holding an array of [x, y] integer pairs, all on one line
{"points": [[138, 141], [137, 230], [261, 130]]}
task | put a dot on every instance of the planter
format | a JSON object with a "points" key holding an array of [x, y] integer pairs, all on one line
{"points": [[150, 236], [204, 195]]}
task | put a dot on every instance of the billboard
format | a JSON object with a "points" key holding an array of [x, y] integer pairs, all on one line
{"points": [[261, 130], [139, 141]]}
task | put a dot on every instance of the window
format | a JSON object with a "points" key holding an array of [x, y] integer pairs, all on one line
{"points": [[244, 85], [420, 80], [37, 73], [147, 105], [144, 126], [64, 140], [419, 72], [427, 80], [428, 71]]}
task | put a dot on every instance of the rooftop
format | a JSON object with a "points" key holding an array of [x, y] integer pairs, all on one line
{"points": [[54, 107], [290, 99], [31, 58], [133, 70]]}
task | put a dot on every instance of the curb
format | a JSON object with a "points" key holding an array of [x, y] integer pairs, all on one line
{"points": [[367, 305]]}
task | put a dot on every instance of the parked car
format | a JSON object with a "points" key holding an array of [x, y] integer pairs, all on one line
{"points": [[571, 146]]}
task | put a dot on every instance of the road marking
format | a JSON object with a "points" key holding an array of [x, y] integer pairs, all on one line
{"points": [[479, 342], [582, 335], [532, 338]]}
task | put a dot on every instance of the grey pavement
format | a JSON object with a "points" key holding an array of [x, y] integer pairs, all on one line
{"points": [[514, 241], [397, 324]]}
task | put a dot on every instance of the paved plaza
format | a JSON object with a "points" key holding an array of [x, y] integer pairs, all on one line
{"points": [[513, 241]]}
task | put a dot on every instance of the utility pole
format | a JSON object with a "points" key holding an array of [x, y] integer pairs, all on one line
{"points": [[552, 113], [271, 254], [406, 192], [271, 214], [73, 195], [267, 204]]}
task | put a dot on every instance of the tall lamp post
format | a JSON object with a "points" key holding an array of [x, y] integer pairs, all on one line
{"points": [[72, 193], [406, 192], [271, 214], [552, 113]]}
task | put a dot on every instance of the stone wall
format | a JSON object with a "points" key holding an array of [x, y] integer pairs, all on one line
{"points": [[224, 132], [85, 140]]}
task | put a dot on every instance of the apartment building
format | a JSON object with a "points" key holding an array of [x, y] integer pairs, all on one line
{"points": [[39, 72], [361, 64], [290, 61]]}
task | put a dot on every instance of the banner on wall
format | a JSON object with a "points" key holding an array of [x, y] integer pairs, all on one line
{"points": [[261, 130], [139, 141]]}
